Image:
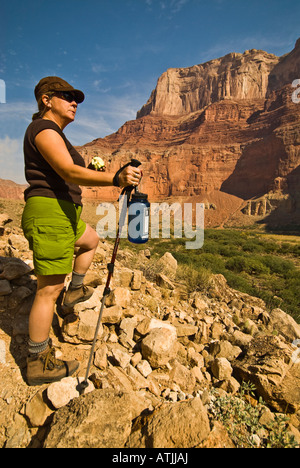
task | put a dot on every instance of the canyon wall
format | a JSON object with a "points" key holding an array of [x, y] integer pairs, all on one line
{"points": [[181, 91], [223, 132], [9, 189]]}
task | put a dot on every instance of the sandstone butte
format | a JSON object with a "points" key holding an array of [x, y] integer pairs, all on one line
{"points": [[225, 133]]}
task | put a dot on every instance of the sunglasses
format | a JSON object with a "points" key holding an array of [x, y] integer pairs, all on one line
{"points": [[67, 96]]}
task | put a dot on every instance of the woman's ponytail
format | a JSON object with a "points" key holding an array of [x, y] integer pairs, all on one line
{"points": [[42, 108], [36, 116]]}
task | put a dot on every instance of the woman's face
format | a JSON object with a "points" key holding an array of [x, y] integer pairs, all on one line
{"points": [[63, 107]]}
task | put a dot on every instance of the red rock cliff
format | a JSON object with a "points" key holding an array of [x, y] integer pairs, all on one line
{"points": [[226, 130]]}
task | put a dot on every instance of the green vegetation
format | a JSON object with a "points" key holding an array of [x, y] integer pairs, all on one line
{"points": [[262, 265], [251, 426]]}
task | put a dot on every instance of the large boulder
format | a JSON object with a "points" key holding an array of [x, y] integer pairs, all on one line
{"points": [[285, 325], [159, 346], [183, 424], [101, 419], [270, 365]]}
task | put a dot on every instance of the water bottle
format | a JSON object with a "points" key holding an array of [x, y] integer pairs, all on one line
{"points": [[138, 218]]}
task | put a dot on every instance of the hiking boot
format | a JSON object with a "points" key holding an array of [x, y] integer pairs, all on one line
{"points": [[74, 296], [44, 368]]}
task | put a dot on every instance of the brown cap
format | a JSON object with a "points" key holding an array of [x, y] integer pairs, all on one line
{"points": [[54, 83]]}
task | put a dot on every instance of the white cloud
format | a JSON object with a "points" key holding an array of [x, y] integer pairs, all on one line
{"points": [[177, 5], [15, 117], [11, 159], [169, 6]]}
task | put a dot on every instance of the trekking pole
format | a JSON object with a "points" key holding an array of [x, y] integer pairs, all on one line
{"points": [[126, 191]]}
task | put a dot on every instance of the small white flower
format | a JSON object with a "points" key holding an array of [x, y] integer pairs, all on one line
{"points": [[98, 163]]}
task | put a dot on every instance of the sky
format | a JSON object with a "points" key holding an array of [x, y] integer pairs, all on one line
{"points": [[115, 51]]}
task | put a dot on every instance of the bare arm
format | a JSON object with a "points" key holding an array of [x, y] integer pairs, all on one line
{"points": [[52, 147]]}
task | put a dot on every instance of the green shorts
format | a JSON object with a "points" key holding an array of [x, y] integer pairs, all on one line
{"points": [[52, 227]]}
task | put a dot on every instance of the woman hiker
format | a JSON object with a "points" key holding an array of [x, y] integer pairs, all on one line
{"points": [[51, 219]]}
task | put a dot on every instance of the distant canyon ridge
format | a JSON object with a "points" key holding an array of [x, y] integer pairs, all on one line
{"points": [[225, 133]]}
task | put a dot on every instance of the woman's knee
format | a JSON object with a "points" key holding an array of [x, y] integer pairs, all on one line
{"points": [[50, 293], [50, 287], [89, 240], [94, 239]]}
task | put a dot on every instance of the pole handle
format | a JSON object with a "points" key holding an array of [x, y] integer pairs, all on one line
{"points": [[135, 163]]}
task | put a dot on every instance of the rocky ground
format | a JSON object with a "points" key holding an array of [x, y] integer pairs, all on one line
{"points": [[171, 369]]}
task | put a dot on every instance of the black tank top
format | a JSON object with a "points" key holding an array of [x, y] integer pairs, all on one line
{"points": [[43, 180]]}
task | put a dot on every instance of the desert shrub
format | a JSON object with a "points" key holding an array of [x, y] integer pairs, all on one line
{"points": [[270, 247], [193, 279], [251, 265], [242, 421], [286, 248], [211, 261], [253, 246], [278, 265], [150, 268], [239, 282], [227, 250]]}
